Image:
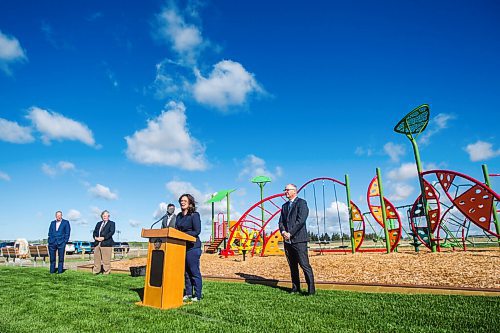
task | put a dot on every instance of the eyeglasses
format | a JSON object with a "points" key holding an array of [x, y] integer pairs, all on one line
{"points": [[288, 189]]}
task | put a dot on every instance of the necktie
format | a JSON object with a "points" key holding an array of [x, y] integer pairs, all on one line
{"points": [[102, 227], [290, 205]]}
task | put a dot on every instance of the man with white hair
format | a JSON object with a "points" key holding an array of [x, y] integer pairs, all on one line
{"points": [[292, 226]]}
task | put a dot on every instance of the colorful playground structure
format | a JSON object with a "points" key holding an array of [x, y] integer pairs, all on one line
{"points": [[450, 204]]}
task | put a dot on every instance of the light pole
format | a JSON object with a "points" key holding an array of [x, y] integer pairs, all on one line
{"points": [[261, 181]]}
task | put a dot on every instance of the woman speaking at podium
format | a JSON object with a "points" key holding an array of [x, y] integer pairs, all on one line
{"points": [[188, 221]]}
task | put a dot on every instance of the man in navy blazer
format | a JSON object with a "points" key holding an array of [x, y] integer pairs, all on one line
{"points": [[59, 232], [292, 226]]}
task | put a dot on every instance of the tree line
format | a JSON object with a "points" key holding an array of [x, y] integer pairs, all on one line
{"points": [[325, 237]]}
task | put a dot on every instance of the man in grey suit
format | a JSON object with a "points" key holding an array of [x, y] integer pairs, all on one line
{"points": [[168, 220], [292, 226]]}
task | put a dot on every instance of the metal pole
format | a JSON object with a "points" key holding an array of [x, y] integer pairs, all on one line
{"points": [[422, 190], [213, 218], [263, 235], [351, 222], [384, 213], [495, 214], [228, 215]]}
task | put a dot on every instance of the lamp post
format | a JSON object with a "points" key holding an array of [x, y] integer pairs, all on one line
{"points": [[261, 181]]}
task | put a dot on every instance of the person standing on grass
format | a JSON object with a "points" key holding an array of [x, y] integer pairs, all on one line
{"points": [[292, 225], [59, 232], [188, 221], [103, 236], [168, 220]]}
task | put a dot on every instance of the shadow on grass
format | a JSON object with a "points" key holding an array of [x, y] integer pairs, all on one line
{"points": [[140, 292], [256, 279]]}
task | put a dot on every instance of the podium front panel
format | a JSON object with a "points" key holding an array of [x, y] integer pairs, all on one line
{"points": [[157, 260]]}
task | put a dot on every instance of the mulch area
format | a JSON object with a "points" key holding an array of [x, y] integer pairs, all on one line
{"points": [[471, 269]]}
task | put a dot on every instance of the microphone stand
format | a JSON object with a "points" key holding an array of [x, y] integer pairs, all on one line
{"points": [[161, 218]]}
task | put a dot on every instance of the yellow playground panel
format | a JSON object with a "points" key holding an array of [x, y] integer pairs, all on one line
{"points": [[244, 239], [272, 248]]}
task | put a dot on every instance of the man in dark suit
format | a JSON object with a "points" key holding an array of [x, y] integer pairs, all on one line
{"points": [[103, 236], [59, 232], [168, 221], [292, 226]]}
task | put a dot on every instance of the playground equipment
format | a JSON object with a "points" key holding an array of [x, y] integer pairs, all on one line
{"points": [[471, 201], [449, 204], [219, 230], [258, 226], [384, 213]]}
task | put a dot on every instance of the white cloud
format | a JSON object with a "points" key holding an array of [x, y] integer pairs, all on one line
{"points": [[11, 131], [4, 176], [394, 151], [360, 151], [404, 172], [65, 165], [399, 191], [161, 210], [10, 52], [185, 38], [229, 84], [167, 141], [256, 166], [48, 170], [134, 223], [178, 188], [336, 208], [436, 124], [101, 191], [55, 126], [96, 212], [74, 215], [61, 167], [481, 151], [172, 80]]}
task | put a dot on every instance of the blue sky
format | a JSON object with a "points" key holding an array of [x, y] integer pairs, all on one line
{"points": [[124, 106]]}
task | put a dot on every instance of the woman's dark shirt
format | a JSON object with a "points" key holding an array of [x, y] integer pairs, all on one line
{"points": [[191, 225]]}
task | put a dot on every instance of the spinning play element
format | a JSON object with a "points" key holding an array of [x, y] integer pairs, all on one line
{"points": [[467, 201], [418, 221], [391, 216], [472, 198], [359, 231]]}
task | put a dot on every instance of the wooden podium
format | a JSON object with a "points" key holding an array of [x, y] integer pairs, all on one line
{"points": [[164, 283]]}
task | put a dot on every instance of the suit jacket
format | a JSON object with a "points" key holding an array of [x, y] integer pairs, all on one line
{"points": [[294, 221], [191, 225], [107, 232], [166, 224], [60, 236]]}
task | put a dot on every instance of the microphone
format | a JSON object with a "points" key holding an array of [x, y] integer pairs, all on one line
{"points": [[161, 218]]}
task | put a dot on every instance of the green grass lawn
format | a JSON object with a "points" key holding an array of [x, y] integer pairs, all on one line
{"points": [[32, 300]]}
